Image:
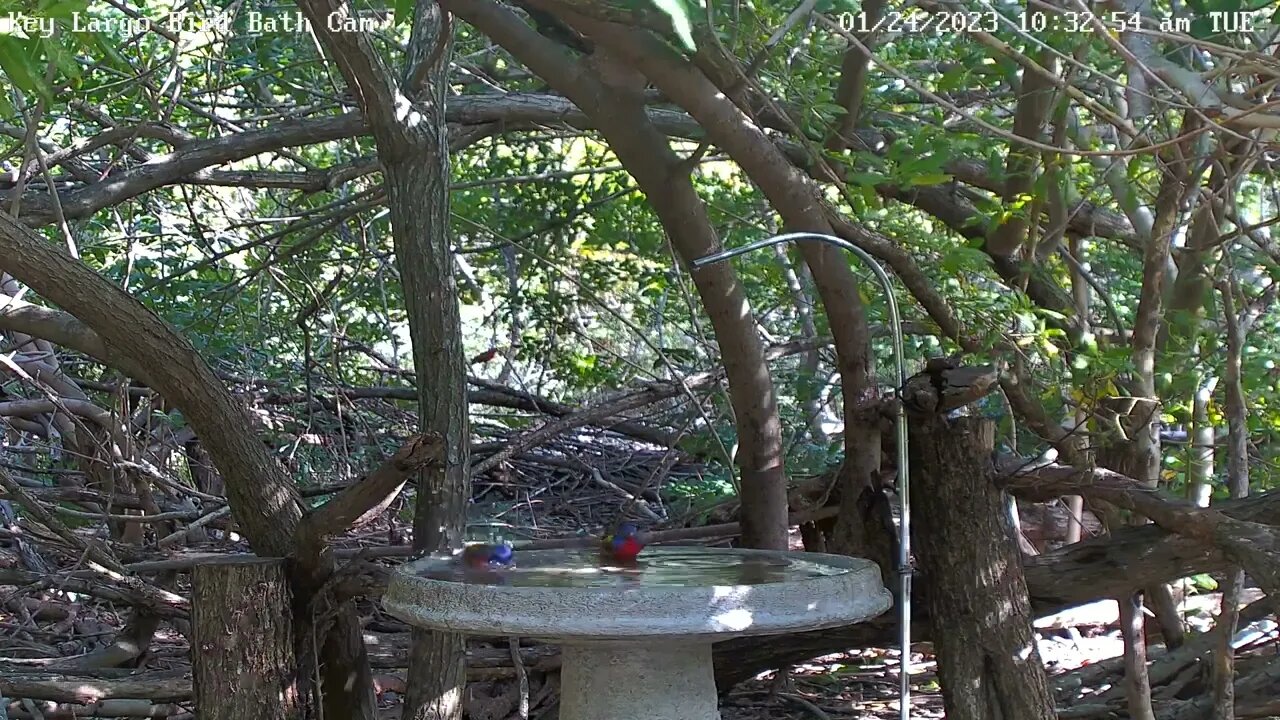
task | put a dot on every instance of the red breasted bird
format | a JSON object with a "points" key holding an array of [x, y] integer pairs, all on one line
{"points": [[623, 546], [483, 555]]}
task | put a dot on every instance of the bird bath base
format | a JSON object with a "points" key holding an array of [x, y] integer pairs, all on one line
{"points": [[637, 640], [628, 681]]}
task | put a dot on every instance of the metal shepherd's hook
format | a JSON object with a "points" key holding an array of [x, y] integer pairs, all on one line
{"points": [[900, 422]]}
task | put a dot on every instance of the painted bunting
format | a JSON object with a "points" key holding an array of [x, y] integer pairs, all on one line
{"points": [[483, 555], [623, 546]]}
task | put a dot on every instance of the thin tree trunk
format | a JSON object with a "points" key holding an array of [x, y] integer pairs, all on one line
{"points": [[417, 195], [1200, 469], [1222, 681], [1118, 454], [406, 116], [800, 203], [1144, 451], [1082, 294], [418, 198], [808, 384], [1137, 682], [854, 67]]}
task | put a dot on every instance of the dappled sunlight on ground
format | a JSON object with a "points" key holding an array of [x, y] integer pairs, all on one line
{"points": [[861, 684]]}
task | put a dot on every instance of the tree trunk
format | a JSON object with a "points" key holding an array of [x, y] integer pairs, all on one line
{"points": [[1200, 470], [1082, 295], [808, 385], [242, 660], [405, 112], [801, 204], [988, 664], [1223, 669], [1137, 681], [1123, 456], [415, 160], [612, 96]]}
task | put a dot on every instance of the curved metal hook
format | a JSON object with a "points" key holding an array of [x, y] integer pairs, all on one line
{"points": [[900, 424]]}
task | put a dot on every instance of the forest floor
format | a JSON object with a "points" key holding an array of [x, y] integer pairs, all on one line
{"points": [[861, 685], [567, 487]]}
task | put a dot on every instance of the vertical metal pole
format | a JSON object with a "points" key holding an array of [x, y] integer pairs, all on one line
{"points": [[900, 424]]}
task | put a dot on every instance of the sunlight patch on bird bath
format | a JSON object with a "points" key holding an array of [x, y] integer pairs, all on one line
{"points": [[735, 620]]}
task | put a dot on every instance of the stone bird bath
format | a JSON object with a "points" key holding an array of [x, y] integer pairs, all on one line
{"points": [[636, 641]]}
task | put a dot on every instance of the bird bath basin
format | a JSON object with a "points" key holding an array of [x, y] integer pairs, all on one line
{"points": [[636, 641]]}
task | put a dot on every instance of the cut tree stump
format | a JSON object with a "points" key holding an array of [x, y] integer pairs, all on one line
{"points": [[242, 653], [988, 664]]}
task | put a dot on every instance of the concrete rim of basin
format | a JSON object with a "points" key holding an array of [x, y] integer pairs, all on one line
{"points": [[586, 614]]}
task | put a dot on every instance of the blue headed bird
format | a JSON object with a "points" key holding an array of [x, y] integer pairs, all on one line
{"points": [[482, 556], [623, 545]]}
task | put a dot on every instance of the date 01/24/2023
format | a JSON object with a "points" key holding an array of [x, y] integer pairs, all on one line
{"points": [[986, 21]]}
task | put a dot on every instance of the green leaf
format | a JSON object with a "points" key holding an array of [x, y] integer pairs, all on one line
{"points": [[404, 10], [928, 179], [1202, 28], [867, 179], [953, 79], [61, 9], [1204, 582], [835, 7], [105, 46], [16, 61], [961, 257], [869, 196], [63, 59], [681, 21]]}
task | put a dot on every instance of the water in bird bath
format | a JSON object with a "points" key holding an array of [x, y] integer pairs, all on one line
{"points": [[657, 566]]}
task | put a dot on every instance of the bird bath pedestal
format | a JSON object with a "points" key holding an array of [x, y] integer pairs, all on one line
{"points": [[636, 641]]}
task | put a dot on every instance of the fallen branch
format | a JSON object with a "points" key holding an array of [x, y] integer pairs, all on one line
{"points": [[706, 532], [113, 708], [1253, 545], [617, 405], [177, 535], [632, 499], [85, 689], [20, 682], [163, 603]]}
